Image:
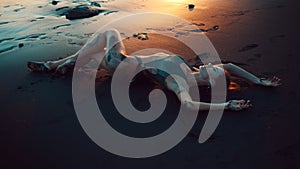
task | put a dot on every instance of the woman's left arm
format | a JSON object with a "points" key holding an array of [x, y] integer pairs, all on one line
{"points": [[239, 72]]}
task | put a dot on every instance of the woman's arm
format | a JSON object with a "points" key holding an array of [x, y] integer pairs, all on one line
{"points": [[239, 72], [185, 98]]}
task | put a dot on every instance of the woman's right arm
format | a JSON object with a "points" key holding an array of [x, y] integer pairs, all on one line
{"points": [[183, 95]]}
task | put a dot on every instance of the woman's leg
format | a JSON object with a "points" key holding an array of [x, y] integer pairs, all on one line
{"points": [[93, 45], [110, 40]]}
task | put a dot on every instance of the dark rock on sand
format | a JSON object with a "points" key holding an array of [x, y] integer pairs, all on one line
{"points": [[54, 2], [141, 36], [95, 4], [83, 11], [216, 27], [248, 47], [191, 7]]}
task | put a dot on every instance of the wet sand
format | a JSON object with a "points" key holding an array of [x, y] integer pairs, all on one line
{"points": [[39, 127]]}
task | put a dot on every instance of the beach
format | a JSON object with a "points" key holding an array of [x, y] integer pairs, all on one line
{"points": [[39, 127]]}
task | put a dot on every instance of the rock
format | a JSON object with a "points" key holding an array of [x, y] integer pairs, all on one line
{"points": [[191, 7], [95, 4], [82, 12], [216, 27], [54, 2], [141, 36]]}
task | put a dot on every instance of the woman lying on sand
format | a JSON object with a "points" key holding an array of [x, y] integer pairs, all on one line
{"points": [[115, 53]]}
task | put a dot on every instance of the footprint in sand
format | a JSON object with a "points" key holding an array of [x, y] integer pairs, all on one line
{"points": [[214, 28], [5, 39], [36, 19], [32, 36], [277, 37], [59, 26], [6, 49], [248, 47], [4, 23], [257, 55], [251, 60], [199, 24], [19, 9], [255, 58]]}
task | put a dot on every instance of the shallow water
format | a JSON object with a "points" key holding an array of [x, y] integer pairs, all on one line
{"points": [[25, 22], [37, 20]]}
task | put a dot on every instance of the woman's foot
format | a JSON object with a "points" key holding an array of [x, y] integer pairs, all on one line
{"points": [[64, 68], [38, 66]]}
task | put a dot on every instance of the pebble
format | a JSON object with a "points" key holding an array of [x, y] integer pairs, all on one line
{"points": [[191, 7], [54, 2]]}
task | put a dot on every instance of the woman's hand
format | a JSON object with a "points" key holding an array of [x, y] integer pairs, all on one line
{"points": [[237, 105], [272, 82]]}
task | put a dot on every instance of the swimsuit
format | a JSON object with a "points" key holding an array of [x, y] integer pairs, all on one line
{"points": [[170, 63]]}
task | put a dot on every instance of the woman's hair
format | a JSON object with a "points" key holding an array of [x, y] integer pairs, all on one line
{"points": [[230, 85], [227, 77]]}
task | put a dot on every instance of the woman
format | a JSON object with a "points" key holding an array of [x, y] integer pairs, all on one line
{"points": [[110, 43]]}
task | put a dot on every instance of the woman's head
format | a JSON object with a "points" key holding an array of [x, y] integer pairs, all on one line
{"points": [[215, 74]]}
